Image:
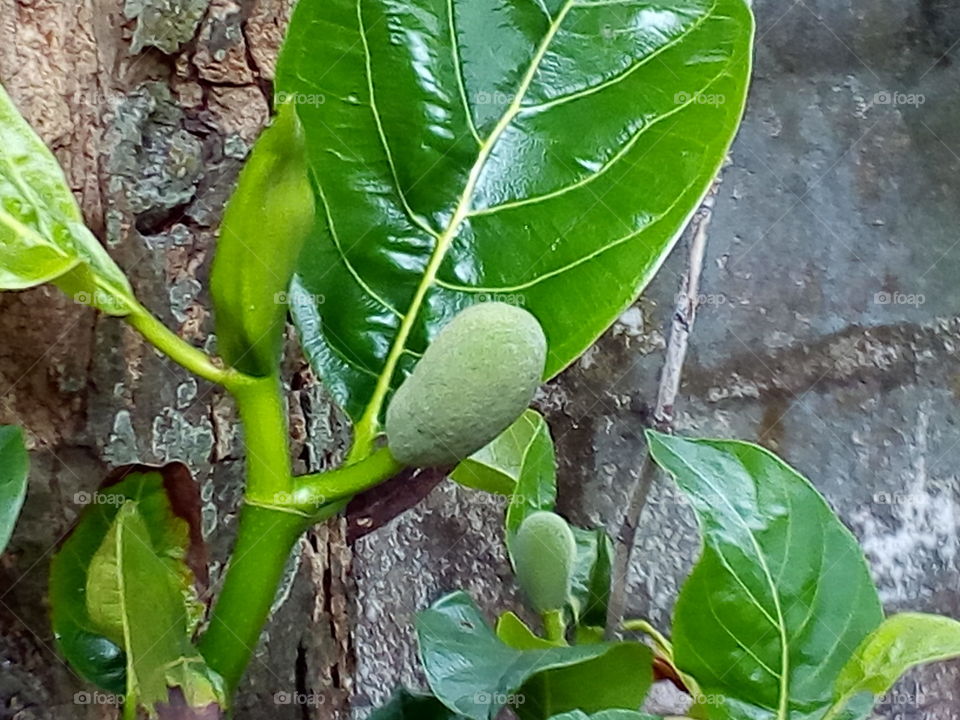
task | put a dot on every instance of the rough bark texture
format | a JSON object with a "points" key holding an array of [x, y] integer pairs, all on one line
{"points": [[151, 107], [835, 201]]}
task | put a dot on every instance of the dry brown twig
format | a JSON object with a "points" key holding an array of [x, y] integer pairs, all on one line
{"points": [[684, 316]]}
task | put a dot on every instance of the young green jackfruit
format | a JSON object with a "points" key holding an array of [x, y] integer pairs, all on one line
{"points": [[476, 377], [544, 554]]}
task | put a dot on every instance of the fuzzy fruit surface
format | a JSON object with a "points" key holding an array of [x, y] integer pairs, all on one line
{"points": [[476, 377], [544, 553]]}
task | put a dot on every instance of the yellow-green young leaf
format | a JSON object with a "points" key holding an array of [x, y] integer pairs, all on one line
{"points": [[515, 633], [134, 597], [542, 152], [900, 643], [88, 630], [42, 234], [265, 224], [14, 468]]}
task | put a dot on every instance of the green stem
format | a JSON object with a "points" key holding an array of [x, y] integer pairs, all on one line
{"points": [[312, 491], [666, 647], [265, 535], [555, 626], [130, 706], [263, 413], [180, 351], [265, 538]]}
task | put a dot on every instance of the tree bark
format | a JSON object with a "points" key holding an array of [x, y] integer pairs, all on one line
{"points": [[151, 107]]}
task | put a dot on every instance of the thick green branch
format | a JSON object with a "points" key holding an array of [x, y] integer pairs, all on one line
{"points": [[180, 351], [311, 491]]}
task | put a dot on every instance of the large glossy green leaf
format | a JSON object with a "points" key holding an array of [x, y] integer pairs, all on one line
{"points": [[496, 468], [545, 152], [135, 598], [42, 234], [476, 675], [781, 596], [903, 641], [85, 643], [269, 216], [14, 469]]}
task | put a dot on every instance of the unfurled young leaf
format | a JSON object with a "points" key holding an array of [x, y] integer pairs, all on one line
{"points": [[903, 641], [14, 468], [168, 502], [264, 227], [475, 674], [135, 598], [43, 237], [542, 153], [591, 582], [781, 594]]}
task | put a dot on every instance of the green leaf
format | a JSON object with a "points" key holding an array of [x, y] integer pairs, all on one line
{"points": [[496, 468], [781, 594], [536, 487], [591, 579], [903, 641], [620, 678], [606, 715], [175, 535], [269, 216], [517, 634], [14, 470], [405, 705], [475, 674], [135, 598], [42, 234], [542, 152]]}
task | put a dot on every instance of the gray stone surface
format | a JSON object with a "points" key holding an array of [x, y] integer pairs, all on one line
{"points": [[828, 333]]}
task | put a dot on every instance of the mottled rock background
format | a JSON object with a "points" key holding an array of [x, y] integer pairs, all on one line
{"points": [[828, 332]]}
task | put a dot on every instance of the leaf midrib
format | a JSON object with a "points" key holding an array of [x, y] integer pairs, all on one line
{"points": [[369, 422], [784, 699]]}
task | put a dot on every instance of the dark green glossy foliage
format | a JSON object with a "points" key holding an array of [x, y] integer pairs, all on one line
{"points": [[781, 595], [14, 469], [591, 578], [542, 152], [269, 216], [405, 705], [79, 639], [476, 674]]}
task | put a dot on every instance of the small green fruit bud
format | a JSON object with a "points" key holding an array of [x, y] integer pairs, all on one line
{"points": [[476, 377], [544, 554]]}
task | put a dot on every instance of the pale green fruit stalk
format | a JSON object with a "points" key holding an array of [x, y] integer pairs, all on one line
{"points": [[544, 555], [475, 379]]}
